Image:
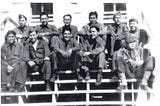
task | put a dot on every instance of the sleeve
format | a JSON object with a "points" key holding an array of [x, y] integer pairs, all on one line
{"points": [[46, 49], [76, 46], [3, 57], [100, 47]]}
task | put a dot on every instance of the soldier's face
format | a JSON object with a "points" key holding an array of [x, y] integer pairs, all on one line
{"points": [[67, 35], [22, 22], [92, 19], [133, 26], [67, 20], [117, 19], [132, 45], [33, 36], [44, 19], [11, 38], [94, 32]]}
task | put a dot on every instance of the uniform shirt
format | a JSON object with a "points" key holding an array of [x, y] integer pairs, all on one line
{"points": [[11, 54], [51, 29], [118, 31], [37, 55], [94, 46], [142, 36], [86, 28], [63, 45], [22, 31], [73, 28]]}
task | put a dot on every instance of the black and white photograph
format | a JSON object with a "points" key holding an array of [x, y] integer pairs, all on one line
{"points": [[79, 53]]}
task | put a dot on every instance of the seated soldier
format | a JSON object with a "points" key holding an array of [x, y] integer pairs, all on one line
{"points": [[92, 53], [66, 50], [12, 78], [134, 62], [39, 60]]}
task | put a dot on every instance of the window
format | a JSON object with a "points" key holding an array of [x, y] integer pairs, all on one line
{"points": [[120, 6], [108, 7], [37, 8]]}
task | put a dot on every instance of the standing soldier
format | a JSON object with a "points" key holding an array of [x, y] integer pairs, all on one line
{"points": [[67, 19], [92, 53], [11, 55], [39, 60], [142, 35], [134, 61]]}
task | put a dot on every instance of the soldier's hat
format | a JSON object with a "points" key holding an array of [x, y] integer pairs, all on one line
{"points": [[22, 16], [117, 14], [131, 38]]}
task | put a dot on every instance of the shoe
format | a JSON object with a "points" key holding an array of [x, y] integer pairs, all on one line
{"points": [[80, 78], [53, 78], [121, 87], [99, 79], [48, 87], [145, 87], [87, 76]]}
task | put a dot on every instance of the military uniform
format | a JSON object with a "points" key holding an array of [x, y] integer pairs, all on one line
{"points": [[74, 31], [65, 61], [116, 36], [142, 36], [37, 55], [134, 63], [12, 55]]}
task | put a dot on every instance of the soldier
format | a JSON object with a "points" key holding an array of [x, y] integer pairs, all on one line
{"points": [[66, 51], [92, 53], [142, 35], [116, 34], [67, 19], [22, 30], [93, 16], [39, 60], [22, 36], [11, 55], [45, 30], [134, 62]]}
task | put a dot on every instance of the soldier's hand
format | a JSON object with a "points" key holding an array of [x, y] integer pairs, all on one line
{"points": [[46, 58], [9, 69], [69, 52], [86, 53], [31, 63]]}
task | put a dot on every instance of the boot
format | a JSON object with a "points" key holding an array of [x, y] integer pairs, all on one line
{"points": [[123, 83], [48, 88], [79, 77], [99, 78], [144, 83], [87, 74]]}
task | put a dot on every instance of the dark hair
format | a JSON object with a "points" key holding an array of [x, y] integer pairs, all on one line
{"points": [[96, 27], [32, 30], [117, 14], [22, 16], [93, 13], [67, 15], [66, 28], [8, 33], [43, 13], [133, 20]]}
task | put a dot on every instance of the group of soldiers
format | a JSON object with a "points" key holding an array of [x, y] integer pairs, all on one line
{"points": [[48, 50]]}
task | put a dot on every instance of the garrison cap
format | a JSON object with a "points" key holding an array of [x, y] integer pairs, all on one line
{"points": [[22, 16], [131, 38]]}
